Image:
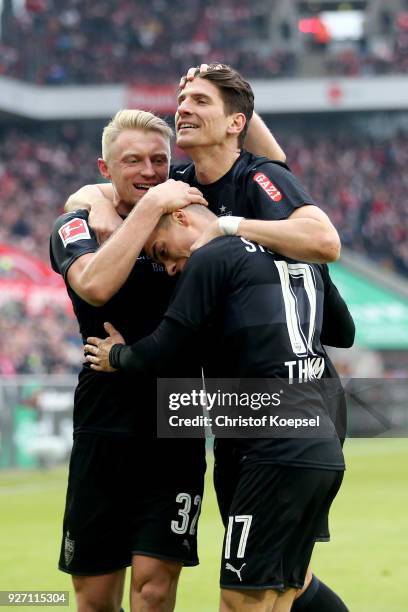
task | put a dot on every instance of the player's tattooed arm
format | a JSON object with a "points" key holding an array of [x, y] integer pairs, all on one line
{"points": [[259, 139], [99, 200]]}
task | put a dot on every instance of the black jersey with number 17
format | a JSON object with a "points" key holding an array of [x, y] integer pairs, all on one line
{"points": [[256, 187], [263, 315]]}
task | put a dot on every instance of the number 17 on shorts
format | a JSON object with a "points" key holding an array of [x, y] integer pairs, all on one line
{"points": [[235, 543]]}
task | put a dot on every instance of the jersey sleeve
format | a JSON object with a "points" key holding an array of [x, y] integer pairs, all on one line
{"points": [[202, 284], [338, 327], [71, 238], [153, 354], [274, 192]]}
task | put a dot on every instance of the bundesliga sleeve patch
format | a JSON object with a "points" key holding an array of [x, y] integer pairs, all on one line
{"points": [[267, 185], [76, 229]]}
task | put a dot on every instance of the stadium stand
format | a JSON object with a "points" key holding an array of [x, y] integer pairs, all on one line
{"points": [[55, 43], [42, 343], [139, 39]]}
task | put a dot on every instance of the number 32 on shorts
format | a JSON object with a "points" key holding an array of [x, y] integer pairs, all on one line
{"points": [[246, 520], [181, 525]]}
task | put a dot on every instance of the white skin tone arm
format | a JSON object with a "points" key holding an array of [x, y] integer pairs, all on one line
{"points": [[307, 235], [260, 140], [96, 277], [99, 201]]}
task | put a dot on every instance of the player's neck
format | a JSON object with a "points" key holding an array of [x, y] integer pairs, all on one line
{"points": [[211, 163], [124, 208]]}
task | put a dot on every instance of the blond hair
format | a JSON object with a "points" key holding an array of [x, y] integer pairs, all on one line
{"points": [[132, 119]]}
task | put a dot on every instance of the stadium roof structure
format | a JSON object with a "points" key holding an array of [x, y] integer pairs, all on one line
{"points": [[380, 314]]}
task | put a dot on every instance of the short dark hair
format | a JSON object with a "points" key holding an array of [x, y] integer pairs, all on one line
{"points": [[236, 93]]}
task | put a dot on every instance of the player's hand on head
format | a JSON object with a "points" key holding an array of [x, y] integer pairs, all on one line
{"points": [[173, 195], [97, 350], [191, 73], [104, 220], [212, 231]]}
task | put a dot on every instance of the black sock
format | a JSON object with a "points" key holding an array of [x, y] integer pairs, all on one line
{"points": [[318, 598]]}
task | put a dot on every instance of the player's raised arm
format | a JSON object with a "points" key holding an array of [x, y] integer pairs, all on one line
{"points": [[259, 140]]}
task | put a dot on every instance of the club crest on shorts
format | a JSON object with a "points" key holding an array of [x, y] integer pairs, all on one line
{"points": [[69, 549]]}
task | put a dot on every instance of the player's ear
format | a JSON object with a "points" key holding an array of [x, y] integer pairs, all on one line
{"points": [[237, 124], [103, 168], [180, 217]]}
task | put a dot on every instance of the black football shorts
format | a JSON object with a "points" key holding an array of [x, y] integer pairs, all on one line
{"points": [[272, 519], [227, 470], [126, 496]]}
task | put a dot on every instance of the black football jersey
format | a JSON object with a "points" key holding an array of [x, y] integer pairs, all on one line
{"points": [[255, 187], [112, 402], [258, 188], [263, 315]]}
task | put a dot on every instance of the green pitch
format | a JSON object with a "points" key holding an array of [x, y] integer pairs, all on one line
{"points": [[367, 561]]}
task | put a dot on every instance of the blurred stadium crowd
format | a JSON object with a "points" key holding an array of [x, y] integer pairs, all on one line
{"points": [[360, 183], [56, 42], [139, 40], [42, 343]]}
